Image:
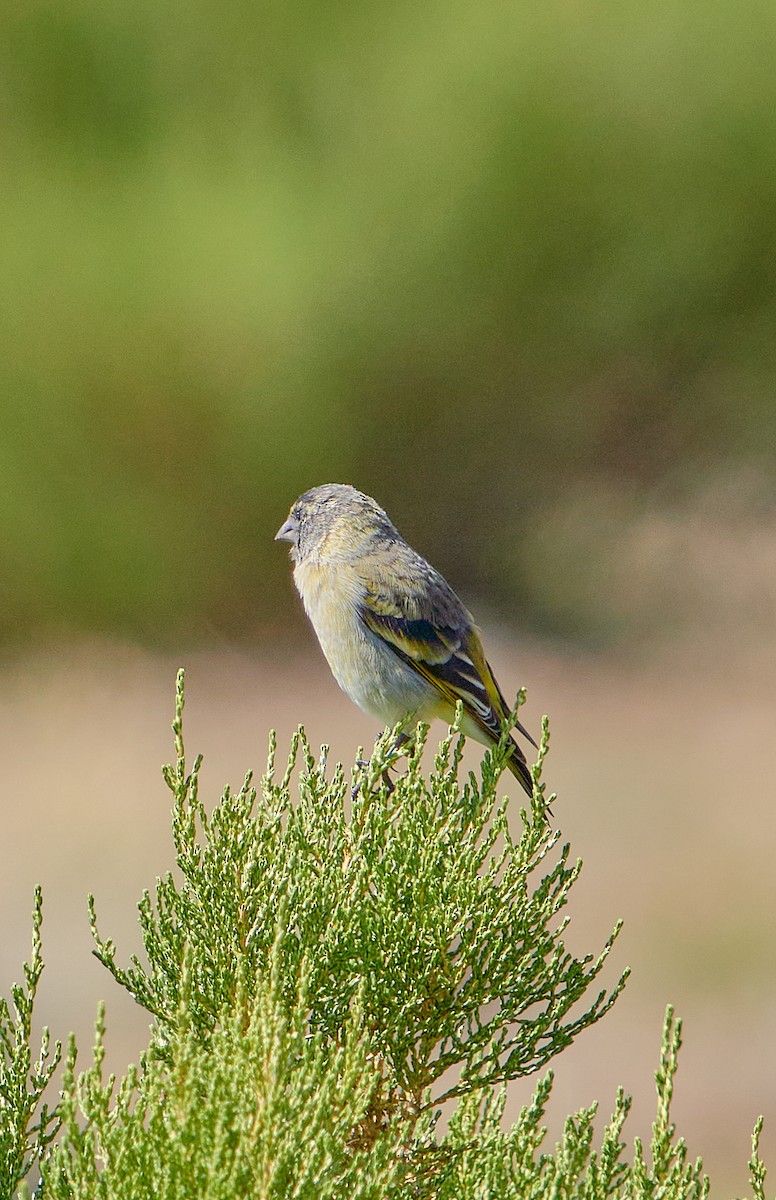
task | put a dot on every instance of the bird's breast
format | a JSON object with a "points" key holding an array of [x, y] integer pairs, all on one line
{"points": [[363, 664]]}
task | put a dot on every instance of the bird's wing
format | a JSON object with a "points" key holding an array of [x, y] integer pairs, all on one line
{"points": [[441, 644]]}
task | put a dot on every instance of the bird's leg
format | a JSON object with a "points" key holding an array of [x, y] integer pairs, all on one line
{"points": [[401, 740], [363, 764]]}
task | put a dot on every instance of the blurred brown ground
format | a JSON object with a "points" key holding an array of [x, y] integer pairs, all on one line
{"points": [[665, 782]]}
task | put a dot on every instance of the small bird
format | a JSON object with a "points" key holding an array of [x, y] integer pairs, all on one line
{"points": [[398, 640]]}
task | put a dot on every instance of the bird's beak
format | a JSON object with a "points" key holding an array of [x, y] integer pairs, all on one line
{"points": [[287, 531]]}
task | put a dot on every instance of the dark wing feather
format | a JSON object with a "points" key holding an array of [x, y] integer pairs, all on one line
{"points": [[449, 656]]}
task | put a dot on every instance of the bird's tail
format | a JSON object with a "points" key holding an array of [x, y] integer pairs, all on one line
{"points": [[519, 767]]}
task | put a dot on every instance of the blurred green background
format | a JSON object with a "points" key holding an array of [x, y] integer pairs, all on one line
{"points": [[509, 268]]}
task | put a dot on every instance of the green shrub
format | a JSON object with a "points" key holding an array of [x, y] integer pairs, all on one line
{"points": [[333, 965], [26, 1125]]}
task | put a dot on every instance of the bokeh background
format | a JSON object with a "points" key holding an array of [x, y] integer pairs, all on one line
{"points": [[510, 268]]}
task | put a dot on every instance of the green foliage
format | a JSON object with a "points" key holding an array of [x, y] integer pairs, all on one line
{"points": [[419, 901], [756, 1165], [326, 971], [510, 1165], [26, 1124], [261, 1109], [671, 1174]]}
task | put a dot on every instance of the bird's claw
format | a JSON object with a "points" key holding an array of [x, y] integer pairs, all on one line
{"points": [[388, 783]]}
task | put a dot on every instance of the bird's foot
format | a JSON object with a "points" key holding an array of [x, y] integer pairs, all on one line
{"points": [[365, 763], [387, 782]]}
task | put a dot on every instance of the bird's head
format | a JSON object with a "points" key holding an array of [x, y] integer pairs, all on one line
{"points": [[333, 521]]}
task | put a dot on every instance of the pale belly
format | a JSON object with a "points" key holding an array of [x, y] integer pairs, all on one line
{"points": [[366, 668]]}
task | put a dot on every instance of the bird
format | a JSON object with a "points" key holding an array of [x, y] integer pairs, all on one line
{"points": [[397, 638]]}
